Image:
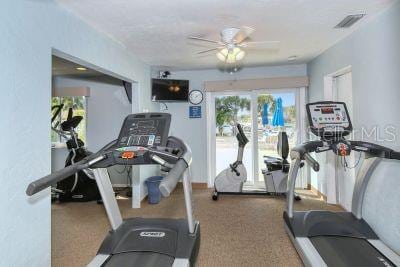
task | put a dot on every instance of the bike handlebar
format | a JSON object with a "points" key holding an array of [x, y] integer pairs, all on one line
{"points": [[58, 110], [241, 137]]}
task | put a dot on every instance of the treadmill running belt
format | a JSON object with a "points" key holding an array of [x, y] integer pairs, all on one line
{"points": [[143, 259], [341, 251]]}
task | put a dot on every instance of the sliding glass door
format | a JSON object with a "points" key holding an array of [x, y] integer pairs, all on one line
{"points": [[263, 114], [231, 109], [268, 128]]}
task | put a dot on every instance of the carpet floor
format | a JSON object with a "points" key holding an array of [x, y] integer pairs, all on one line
{"points": [[235, 230]]}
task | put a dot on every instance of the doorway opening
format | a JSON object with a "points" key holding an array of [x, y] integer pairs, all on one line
{"points": [[92, 105], [340, 180]]}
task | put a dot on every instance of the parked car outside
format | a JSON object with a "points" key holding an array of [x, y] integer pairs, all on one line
{"points": [[226, 130]]}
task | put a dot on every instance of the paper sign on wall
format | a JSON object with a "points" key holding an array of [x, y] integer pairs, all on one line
{"points": [[194, 112]]}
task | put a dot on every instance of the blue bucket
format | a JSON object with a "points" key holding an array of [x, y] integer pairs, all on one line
{"points": [[154, 194]]}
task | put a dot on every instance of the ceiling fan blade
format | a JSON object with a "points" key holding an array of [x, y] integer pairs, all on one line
{"points": [[203, 39], [243, 34], [208, 50], [262, 44]]}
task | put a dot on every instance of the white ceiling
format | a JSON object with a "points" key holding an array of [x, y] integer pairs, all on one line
{"points": [[156, 30]]}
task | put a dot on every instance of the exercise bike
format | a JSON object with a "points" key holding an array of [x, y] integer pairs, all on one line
{"points": [[277, 169], [231, 180], [81, 186]]}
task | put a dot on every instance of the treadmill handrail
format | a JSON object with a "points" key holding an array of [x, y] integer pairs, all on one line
{"points": [[169, 183], [301, 152], [49, 180], [374, 150]]}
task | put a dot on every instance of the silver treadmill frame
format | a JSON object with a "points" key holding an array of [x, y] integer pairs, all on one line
{"points": [[306, 250], [114, 215]]}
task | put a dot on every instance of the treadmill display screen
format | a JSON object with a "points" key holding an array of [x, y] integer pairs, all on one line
{"points": [[327, 110], [329, 118], [145, 129]]}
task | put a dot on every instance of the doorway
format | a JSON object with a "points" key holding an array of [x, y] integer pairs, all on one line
{"points": [[345, 177], [340, 188], [254, 110]]}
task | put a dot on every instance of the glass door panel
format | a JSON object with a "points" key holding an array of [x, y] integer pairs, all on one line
{"points": [[268, 127], [229, 110]]}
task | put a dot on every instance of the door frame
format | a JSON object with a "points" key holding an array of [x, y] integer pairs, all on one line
{"points": [[300, 101], [330, 94]]}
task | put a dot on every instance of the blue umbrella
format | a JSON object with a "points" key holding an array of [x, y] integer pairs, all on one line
{"points": [[278, 114], [264, 114]]}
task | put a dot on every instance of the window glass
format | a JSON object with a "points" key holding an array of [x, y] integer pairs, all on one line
{"points": [[78, 105]]}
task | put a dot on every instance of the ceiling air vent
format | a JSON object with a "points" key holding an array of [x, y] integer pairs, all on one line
{"points": [[349, 21]]}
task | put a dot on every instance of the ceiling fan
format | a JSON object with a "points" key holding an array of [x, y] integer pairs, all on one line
{"points": [[234, 41]]}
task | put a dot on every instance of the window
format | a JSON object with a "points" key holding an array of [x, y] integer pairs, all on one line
{"points": [[78, 104]]}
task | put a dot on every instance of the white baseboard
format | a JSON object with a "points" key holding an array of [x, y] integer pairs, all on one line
{"points": [[121, 185]]}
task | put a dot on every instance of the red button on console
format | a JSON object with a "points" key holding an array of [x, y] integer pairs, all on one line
{"points": [[128, 155]]}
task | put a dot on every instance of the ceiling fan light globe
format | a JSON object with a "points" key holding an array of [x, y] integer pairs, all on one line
{"points": [[221, 54], [240, 55], [231, 55]]}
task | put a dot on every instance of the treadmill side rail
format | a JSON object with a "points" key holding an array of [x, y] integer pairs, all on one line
{"points": [[364, 175], [291, 184], [385, 250], [187, 190], [98, 260], [181, 263], [306, 250]]}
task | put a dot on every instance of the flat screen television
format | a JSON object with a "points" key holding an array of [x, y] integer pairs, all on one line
{"points": [[169, 90]]}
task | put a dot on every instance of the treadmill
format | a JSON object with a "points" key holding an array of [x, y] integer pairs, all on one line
{"points": [[143, 139], [325, 238]]}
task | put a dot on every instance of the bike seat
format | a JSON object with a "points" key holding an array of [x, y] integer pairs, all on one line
{"points": [[275, 164]]}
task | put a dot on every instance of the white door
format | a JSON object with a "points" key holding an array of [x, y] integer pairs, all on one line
{"points": [[345, 177]]}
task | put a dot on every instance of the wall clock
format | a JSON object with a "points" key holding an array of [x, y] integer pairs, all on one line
{"points": [[195, 97]]}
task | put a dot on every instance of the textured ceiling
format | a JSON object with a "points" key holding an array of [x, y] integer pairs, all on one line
{"points": [[156, 31]]}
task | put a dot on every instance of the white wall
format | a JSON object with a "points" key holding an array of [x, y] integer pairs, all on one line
{"points": [[194, 131], [107, 107], [29, 30], [373, 53]]}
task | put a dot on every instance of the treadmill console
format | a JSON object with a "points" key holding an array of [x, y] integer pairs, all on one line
{"points": [[329, 120], [145, 130]]}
